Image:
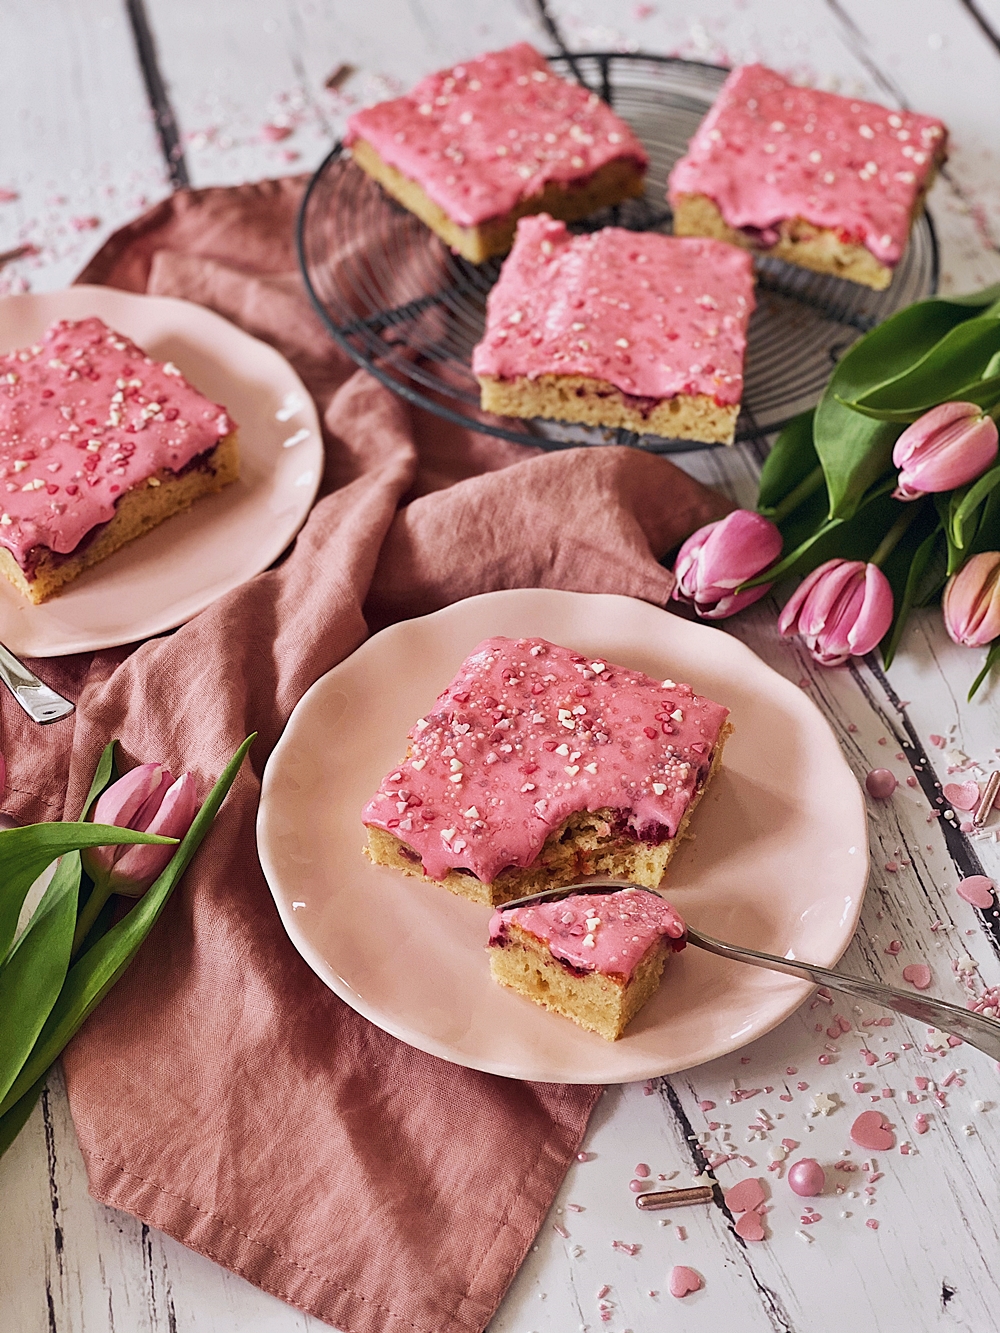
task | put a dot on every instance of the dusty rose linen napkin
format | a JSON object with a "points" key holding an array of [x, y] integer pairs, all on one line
{"points": [[221, 1092]]}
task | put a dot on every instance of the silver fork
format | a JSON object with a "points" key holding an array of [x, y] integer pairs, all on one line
{"points": [[39, 701], [977, 1030]]}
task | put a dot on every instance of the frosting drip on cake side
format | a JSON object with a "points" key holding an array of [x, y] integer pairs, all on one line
{"points": [[85, 415], [600, 932], [768, 151], [656, 316], [482, 136], [529, 733]]}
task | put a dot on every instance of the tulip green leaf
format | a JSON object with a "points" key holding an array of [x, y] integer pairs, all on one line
{"points": [[964, 505], [102, 776], [96, 971], [855, 453], [25, 853], [791, 461], [992, 367], [31, 978], [916, 571], [991, 659], [950, 370]]}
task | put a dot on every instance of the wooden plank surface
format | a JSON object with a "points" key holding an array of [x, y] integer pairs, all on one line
{"points": [[85, 138]]}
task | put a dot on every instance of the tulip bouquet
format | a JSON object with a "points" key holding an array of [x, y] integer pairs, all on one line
{"points": [[885, 497], [72, 950]]}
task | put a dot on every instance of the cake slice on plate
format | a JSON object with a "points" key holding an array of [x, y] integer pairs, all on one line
{"points": [[473, 148], [99, 443], [618, 328], [538, 766], [830, 183], [594, 958]]}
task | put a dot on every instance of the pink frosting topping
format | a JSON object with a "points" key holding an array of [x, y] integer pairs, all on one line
{"points": [[598, 932], [654, 315], [529, 733], [768, 151], [85, 415], [484, 135]]}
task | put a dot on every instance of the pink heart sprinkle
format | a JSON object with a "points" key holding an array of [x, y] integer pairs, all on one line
{"points": [[750, 1227], [682, 1281], [977, 890], [871, 1130], [962, 795], [747, 1194], [917, 974]]}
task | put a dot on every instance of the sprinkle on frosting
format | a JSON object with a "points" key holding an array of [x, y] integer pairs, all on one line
{"points": [[484, 135], [529, 733], [656, 316], [601, 932], [85, 415], [768, 151]]}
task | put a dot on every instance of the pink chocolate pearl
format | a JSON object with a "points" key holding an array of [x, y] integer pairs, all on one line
{"points": [[807, 1178], [881, 783]]}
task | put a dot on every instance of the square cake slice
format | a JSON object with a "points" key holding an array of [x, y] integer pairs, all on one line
{"points": [[594, 958], [98, 444], [618, 328], [473, 148], [538, 766], [830, 183]]}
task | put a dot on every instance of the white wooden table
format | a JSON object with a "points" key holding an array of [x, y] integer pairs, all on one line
{"points": [[82, 154]]}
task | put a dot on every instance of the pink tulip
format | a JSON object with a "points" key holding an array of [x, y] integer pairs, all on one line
{"points": [[722, 555], [945, 448], [971, 601], [148, 799], [842, 609]]}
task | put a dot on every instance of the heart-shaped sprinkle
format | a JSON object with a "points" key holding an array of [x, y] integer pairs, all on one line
{"points": [[917, 974], [682, 1281], [977, 890], [871, 1130], [962, 795], [747, 1194], [750, 1227]]}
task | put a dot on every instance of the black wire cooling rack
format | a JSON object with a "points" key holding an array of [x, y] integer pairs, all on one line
{"points": [[411, 312]]}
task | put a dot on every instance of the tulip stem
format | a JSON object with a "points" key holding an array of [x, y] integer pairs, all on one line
{"points": [[888, 543], [91, 910], [795, 497]]}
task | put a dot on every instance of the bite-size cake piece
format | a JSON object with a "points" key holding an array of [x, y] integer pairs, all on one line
{"points": [[594, 958], [538, 766], [830, 183], [473, 148], [618, 328], [99, 443]]}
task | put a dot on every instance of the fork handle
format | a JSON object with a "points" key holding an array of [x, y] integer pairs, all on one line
{"points": [[39, 701]]}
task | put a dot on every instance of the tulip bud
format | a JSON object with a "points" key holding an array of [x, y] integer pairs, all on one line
{"points": [[147, 799], [722, 555], [842, 609], [945, 448], [971, 601]]}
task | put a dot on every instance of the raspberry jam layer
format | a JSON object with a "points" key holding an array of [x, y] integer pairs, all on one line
{"points": [[656, 316], [85, 415], [768, 151], [529, 733], [482, 136], [597, 932]]}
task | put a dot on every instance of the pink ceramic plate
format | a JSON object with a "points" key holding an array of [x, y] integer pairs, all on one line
{"points": [[779, 862], [172, 573]]}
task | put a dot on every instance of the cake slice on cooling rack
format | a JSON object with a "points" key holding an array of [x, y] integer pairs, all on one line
{"points": [[538, 766], [618, 328], [594, 958], [830, 183], [473, 148], [98, 444]]}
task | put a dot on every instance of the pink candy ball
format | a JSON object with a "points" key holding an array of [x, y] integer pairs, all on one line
{"points": [[807, 1178], [881, 783]]}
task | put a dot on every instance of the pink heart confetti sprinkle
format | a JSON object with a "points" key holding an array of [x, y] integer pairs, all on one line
{"points": [[750, 1227], [871, 1130], [962, 795], [748, 1194], [682, 1281], [977, 890], [918, 975]]}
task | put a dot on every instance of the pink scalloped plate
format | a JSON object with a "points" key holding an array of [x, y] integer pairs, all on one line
{"points": [[779, 860], [164, 578]]}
